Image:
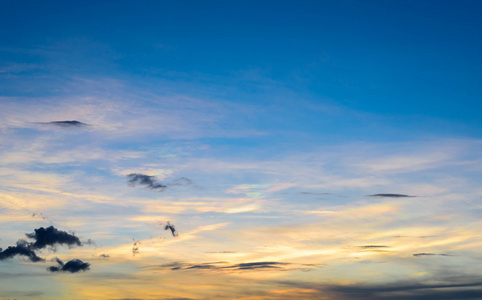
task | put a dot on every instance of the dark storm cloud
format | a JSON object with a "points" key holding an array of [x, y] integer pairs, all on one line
{"points": [[171, 227], [23, 248], [65, 123], [51, 236], [391, 195], [395, 291], [72, 266], [145, 180]]}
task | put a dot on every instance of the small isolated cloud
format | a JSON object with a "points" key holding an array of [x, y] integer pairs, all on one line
{"points": [[430, 254], [373, 246], [257, 265], [151, 182], [146, 180], [314, 193], [104, 256], [181, 181], [390, 195], [135, 247], [65, 123], [72, 266], [171, 227], [51, 236]]}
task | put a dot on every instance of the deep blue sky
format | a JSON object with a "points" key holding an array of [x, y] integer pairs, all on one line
{"points": [[402, 58]]}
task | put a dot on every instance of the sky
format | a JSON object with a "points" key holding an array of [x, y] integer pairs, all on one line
{"points": [[240, 150]]}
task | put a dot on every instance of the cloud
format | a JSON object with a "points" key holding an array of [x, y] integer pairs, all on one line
{"points": [[373, 246], [51, 236], [181, 181], [105, 256], [135, 247], [395, 291], [45, 237], [257, 265], [22, 248], [313, 193], [152, 183], [430, 254], [390, 195], [72, 266], [171, 227], [249, 266], [146, 180], [65, 123]]}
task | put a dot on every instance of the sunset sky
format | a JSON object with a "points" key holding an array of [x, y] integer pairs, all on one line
{"points": [[240, 150]]}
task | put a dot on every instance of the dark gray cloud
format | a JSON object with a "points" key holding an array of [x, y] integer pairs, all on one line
{"points": [[395, 291], [172, 266], [135, 247], [171, 227], [51, 236], [391, 195], [72, 266], [105, 256], [257, 265], [430, 254], [242, 266], [23, 248], [223, 266], [46, 237], [151, 182], [373, 246], [43, 237], [147, 181], [72, 123]]}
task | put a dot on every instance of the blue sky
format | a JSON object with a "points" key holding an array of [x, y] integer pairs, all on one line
{"points": [[306, 150]]}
